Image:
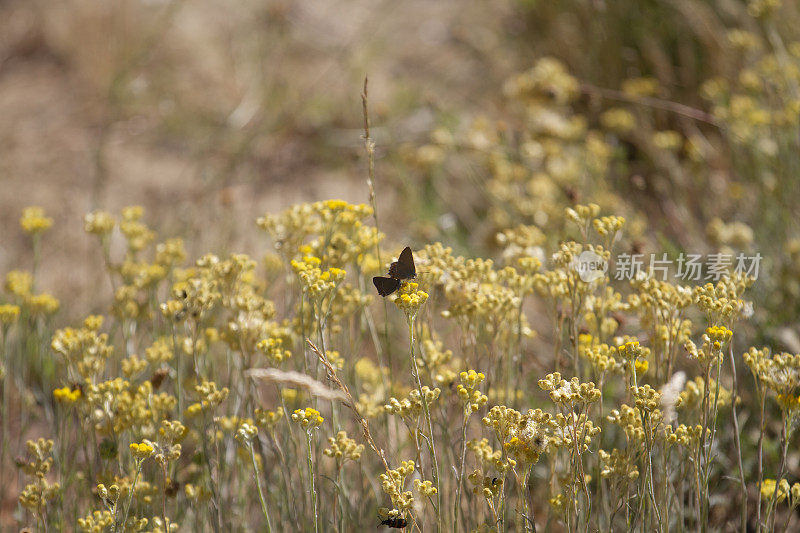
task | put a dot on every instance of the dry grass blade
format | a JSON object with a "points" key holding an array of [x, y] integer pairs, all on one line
{"points": [[296, 379], [350, 402]]}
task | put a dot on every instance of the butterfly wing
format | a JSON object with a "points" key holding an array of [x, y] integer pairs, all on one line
{"points": [[404, 267], [385, 286]]}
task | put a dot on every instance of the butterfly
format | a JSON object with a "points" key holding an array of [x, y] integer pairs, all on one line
{"points": [[399, 270], [395, 522]]}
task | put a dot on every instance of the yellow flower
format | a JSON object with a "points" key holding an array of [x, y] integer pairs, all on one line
{"points": [[768, 489], [34, 221], [789, 402], [19, 283], [43, 304], [268, 419], [8, 314], [409, 299], [618, 120], [141, 450], [343, 448], [66, 395], [309, 418], [468, 392], [99, 223]]}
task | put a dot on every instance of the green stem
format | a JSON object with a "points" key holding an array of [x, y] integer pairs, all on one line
{"points": [[313, 488], [130, 495], [258, 485], [457, 506], [426, 410], [736, 438]]}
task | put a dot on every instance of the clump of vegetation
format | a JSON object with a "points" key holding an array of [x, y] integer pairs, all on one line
{"points": [[178, 395], [591, 341]]}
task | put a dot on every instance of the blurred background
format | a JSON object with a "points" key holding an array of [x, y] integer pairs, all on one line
{"points": [[681, 115]]}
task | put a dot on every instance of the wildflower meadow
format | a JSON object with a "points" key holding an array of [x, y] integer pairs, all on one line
{"points": [[595, 326]]}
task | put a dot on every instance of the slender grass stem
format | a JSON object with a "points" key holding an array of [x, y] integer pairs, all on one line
{"points": [[426, 410], [130, 494], [258, 486], [460, 482], [310, 460]]}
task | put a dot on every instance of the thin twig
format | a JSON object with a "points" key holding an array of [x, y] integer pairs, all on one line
{"points": [[649, 101], [350, 402]]}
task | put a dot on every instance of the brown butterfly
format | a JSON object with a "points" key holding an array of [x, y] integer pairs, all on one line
{"points": [[399, 270], [395, 522], [158, 377]]}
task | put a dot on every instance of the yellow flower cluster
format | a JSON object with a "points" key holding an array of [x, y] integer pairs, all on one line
{"points": [[135, 231], [100, 223], [171, 433], [393, 484], [425, 488], [273, 349], [547, 81], [522, 244], [723, 302], [308, 418], [691, 398], [582, 215], [484, 300], [646, 398], [572, 429], [34, 221], [20, 284], [96, 522], [528, 442], [437, 360], [39, 460], [503, 420], [9, 314], [468, 391], [338, 236], [488, 458], [779, 372], [525, 437], [784, 491], [633, 424], [84, 350], [618, 120], [571, 392], [711, 350], [268, 419], [246, 433], [35, 495], [67, 395], [617, 464], [602, 358], [315, 281], [686, 436], [411, 407], [489, 487], [410, 298], [142, 450], [342, 448], [210, 397]]}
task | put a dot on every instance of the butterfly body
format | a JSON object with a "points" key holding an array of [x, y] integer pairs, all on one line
{"points": [[399, 270]]}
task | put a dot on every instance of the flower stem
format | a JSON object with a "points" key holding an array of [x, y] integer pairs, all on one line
{"points": [[457, 506], [426, 410], [258, 485], [311, 475], [130, 495]]}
